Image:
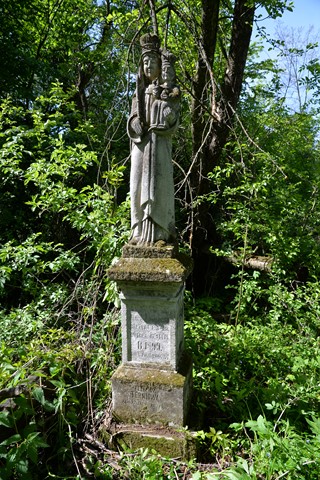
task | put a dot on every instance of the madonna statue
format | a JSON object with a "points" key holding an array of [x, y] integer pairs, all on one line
{"points": [[151, 125]]}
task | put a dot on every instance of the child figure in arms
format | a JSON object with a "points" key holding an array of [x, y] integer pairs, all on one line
{"points": [[165, 110]]}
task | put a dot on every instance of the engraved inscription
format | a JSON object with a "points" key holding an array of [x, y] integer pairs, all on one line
{"points": [[153, 346], [149, 341], [144, 395]]}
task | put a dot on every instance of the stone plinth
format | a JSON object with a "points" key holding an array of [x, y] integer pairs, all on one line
{"points": [[151, 395], [152, 324], [151, 296], [153, 383], [167, 441]]}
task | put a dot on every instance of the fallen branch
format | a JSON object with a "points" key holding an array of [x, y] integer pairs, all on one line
{"points": [[256, 262], [13, 392]]}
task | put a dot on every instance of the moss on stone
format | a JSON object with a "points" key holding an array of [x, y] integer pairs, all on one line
{"points": [[168, 442], [166, 446], [140, 269], [149, 376], [151, 396], [152, 251]]}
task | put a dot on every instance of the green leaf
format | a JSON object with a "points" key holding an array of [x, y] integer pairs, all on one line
{"points": [[5, 419], [22, 467], [36, 440], [38, 395], [11, 440], [314, 424], [196, 476]]}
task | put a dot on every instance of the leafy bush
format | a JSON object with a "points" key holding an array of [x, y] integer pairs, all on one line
{"points": [[54, 388], [59, 336], [258, 365]]}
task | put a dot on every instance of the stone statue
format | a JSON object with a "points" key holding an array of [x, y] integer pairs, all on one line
{"points": [[165, 110], [153, 120]]}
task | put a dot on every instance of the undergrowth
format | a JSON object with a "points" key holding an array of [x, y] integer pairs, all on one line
{"points": [[256, 395]]}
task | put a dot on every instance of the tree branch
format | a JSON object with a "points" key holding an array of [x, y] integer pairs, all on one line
{"points": [[255, 262]]}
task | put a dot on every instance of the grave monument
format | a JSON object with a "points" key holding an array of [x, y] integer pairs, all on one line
{"points": [[152, 386]]}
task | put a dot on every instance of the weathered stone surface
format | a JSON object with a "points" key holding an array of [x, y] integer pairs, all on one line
{"points": [[167, 441], [151, 395], [152, 308], [153, 383], [153, 120], [156, 250], [152, 325], [141, 269]]}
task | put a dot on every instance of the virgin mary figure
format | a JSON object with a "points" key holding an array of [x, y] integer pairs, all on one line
{"points": [[151, 177]]}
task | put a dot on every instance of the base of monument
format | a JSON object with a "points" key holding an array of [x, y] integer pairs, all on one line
{"points": [[166, 441], [152, 396]]}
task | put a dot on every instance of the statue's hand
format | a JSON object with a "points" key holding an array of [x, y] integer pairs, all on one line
{"points": [[136, 126], [156, 91], [175, 92], [169, 115]]}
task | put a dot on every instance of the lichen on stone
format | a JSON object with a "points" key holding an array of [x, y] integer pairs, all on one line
{"points": [[140, 269], [150, 376]]}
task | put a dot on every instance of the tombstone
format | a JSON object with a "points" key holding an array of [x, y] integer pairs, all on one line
{"points": [[152, 386]]}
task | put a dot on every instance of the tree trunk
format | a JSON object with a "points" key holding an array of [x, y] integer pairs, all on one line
{"points": [[201, 82], [211, 125]]}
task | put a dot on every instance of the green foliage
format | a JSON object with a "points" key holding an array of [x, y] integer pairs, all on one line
{"points": [[71, 211], [52, 383], [49, 41], [34, 422], [259, 367], [142, 464], [61, 228], [270, 372], [278, 450], [66, 71], [268, 198]]}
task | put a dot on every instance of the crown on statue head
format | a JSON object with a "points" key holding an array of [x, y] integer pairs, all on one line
{"points": [[150, 43], [168, 58]]}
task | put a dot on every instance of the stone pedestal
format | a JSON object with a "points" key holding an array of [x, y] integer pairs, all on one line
{"points": [[153, 384], [151, 395]]}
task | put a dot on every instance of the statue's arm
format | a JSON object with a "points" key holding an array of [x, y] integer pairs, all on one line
{"points": [[172, 111], [169, 117], [135, 128]]}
